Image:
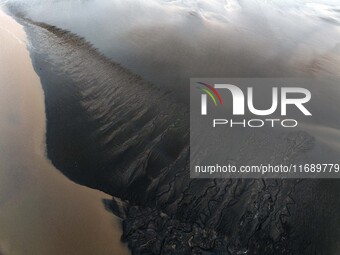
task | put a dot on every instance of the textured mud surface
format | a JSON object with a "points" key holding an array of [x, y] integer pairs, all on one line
{"points": [[110, 130]]}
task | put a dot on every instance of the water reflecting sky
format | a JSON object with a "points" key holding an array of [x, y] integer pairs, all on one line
{"points": [[167, 42]]}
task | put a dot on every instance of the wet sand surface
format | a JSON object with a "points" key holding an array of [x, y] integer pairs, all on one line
{"points": [[41, 211], [144, 161]]}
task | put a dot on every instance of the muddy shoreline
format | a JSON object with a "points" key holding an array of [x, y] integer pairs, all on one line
{"points": [[41, 211]]}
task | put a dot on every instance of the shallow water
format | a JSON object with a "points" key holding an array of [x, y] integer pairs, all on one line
{"points": [[41, 211], [167, 42]]}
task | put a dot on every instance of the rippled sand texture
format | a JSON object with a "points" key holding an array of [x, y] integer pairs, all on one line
{"points": [[112, 130], [41, 212]]}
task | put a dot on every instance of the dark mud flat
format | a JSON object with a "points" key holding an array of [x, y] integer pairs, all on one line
{"points": [[110, 130]]}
